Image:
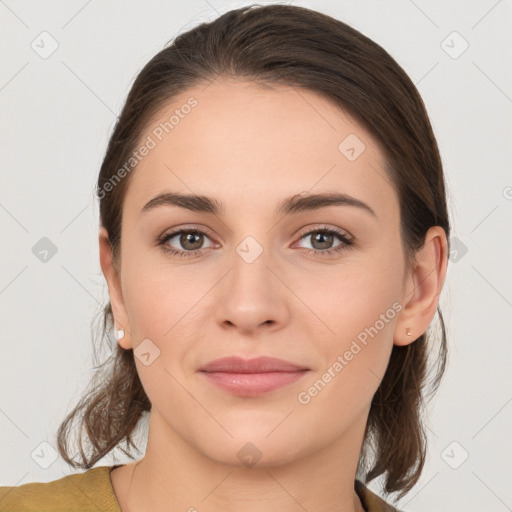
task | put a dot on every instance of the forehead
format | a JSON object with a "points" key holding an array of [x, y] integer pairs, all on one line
{"points": [[248, 144]]}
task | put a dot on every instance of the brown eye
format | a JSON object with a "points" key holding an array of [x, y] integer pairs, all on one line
{"points": [[191, 240], [187, 242], [321, 240]]}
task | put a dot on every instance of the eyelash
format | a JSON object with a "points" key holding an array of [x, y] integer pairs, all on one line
{"points": [[347, 243]]}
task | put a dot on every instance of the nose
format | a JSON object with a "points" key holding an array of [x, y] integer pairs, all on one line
{"points": [[252, 296]]}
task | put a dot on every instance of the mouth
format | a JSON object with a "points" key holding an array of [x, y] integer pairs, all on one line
{"points": [[252, 377]]}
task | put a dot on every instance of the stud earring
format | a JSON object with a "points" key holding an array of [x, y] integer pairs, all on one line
{"points": [[408, 331], [118, 332]]}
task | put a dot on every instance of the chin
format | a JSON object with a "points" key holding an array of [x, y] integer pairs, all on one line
{"points": [[252, 449]]}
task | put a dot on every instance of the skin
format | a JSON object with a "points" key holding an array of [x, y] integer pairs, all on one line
{"points": [[250, 147]]}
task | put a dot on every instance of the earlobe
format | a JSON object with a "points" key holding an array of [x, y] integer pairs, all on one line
{"points": [[112, 277], [406, 337], [121, 337], [424, 285]]}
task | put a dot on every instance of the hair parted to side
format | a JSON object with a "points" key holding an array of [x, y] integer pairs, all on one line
{"points": [[299, 47]]}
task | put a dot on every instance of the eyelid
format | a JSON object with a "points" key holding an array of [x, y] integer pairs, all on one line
{"points": [[325, 227], [192, 227], [171, 233]]}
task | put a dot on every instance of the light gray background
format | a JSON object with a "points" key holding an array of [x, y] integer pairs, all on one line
{"points": [[56, 116]]}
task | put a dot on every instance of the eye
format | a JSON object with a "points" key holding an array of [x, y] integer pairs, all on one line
{"points": [[323, 238], [190, 239]]}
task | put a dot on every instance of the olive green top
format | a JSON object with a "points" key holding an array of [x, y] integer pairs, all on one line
{"points": [[92, 491]]}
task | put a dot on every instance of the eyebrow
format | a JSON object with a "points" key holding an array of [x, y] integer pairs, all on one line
{"points": [[290, 205]]}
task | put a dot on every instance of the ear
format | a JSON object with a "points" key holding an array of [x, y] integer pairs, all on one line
{"points": [[423, 287], [112, 276]]}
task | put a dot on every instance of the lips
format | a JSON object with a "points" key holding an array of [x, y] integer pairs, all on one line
{"points": [[263, 364], [251, 377]]}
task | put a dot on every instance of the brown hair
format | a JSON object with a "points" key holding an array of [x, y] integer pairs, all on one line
{"points": [[290, 45]]}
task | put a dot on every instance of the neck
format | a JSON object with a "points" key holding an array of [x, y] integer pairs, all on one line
{"points": [[174, 472]]}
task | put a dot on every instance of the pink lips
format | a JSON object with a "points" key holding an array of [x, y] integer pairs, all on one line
{"points": [[251, 377]]}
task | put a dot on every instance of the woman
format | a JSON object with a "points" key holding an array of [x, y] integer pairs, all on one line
{"points": [[274, 236]]}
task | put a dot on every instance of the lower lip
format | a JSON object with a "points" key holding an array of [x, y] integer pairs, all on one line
{"points": [[252, 384]]}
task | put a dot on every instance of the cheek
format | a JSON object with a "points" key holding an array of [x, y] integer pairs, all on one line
{"points": [[158, 296], [358, 307], [354, 359], [346, 299]]}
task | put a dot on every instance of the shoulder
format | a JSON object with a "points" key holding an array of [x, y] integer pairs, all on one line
{"points": [[371, 501], [88, 491]]}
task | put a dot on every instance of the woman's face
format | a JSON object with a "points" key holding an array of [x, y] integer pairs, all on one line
{"points": [[258, 279]]}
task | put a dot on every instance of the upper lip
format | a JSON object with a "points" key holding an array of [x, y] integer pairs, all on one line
{"points": [[263, 364]]}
